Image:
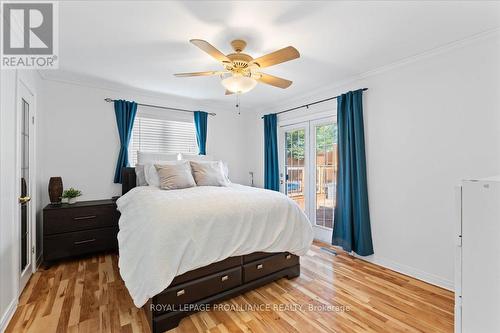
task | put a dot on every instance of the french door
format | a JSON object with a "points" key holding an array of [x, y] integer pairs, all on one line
{"points": [[25, 177], [308, 170]]}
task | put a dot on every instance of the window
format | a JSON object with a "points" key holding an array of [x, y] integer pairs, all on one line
{"points": [[161, 135]]}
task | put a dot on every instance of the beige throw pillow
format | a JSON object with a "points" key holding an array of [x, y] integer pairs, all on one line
{"points": [[175, 176], [209, 173]]}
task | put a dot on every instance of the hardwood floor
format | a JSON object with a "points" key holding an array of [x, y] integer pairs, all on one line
{"points": [[347, 295]]}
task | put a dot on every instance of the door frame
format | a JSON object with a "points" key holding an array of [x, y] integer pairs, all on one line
{"points": [[23, 90]]}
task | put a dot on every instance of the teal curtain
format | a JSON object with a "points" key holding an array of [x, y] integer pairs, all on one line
{"points": [[200, 122], [271, 169], [351, 229], [125, 114]]}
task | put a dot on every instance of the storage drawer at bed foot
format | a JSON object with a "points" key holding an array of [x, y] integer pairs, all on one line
{"points": [[257, 256], [207, 270], [268, 266], [195, 290]]}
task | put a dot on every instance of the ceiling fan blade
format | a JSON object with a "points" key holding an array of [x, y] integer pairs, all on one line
{"points": [[229, 92], [285, 54], [274, 81], [209, 73], [210, 49]]}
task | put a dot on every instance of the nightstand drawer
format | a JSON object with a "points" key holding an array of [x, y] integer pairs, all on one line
{"points": [[80, 242], [58, 221]]}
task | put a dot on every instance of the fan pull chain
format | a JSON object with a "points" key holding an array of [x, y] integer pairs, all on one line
{"points": [[238, 103]]}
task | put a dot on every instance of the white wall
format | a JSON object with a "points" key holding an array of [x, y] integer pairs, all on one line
{"points": [[77, 139], [9, 187], [81, 143], [429, 123]]}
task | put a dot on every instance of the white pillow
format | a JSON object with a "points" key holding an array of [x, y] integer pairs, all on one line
{"points": [[145, 157], [151, 174], [195, 157], [140, 175], [225, 169], [175, 176], [208, 173]]}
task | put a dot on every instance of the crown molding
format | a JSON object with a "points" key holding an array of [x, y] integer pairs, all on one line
{"points": [[434, 52], [99, 83], [351, 81], [93, 82], [119, 89]]}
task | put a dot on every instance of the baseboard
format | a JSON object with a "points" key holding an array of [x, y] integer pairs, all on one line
{"points": [[410, 271], [7, 316]]}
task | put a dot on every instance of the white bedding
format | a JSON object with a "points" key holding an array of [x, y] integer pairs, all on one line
{"points": [[167, 233]]}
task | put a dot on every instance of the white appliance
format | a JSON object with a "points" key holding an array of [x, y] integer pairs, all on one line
{"points": [[477, 269]]}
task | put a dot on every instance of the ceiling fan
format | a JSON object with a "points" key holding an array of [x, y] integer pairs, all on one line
{"points": [[242, 72]]}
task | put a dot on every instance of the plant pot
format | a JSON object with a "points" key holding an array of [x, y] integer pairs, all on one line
{"points": [[71, 201]]}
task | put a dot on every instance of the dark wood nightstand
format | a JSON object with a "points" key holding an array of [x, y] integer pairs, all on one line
{"points": [[81, 228]]}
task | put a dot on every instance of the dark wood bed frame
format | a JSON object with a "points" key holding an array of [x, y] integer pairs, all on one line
{"points": [[194, 290]]}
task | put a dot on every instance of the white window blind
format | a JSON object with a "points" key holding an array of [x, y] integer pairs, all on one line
{"points": [[160, 135]]}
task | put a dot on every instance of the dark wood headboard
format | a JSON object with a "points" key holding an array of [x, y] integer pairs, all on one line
{"points": [[128, 179]]}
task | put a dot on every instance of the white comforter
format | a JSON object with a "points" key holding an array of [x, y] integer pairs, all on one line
{"points": [[166, 233]]}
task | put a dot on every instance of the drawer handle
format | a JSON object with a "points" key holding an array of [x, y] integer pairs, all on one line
{"points": [[224, 278], [288, 256], [260, 266], [85, 241], [84, 217], [181, 292]]}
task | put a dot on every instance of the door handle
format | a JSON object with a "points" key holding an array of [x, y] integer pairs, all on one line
{"points": [[23, 200]]}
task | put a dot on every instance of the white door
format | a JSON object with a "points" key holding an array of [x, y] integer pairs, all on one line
{"points": [[25, 181], [323, 176], [308, 170], [294, 160]]}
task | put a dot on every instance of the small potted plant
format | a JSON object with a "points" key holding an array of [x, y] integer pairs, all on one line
{"points": [[71, 194]]}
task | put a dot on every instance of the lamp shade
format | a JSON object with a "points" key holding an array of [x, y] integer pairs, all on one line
{"points": [[239, 84]]}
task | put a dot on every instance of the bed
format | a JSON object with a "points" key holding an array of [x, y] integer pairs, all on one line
{"points": [[255, 245]]}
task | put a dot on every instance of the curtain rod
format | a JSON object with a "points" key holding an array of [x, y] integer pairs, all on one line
{"points": [[109, 100], [313, 103]]}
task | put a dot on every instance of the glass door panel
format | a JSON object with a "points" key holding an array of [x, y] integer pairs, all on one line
{"points": [[325, 159], [25, 236], [295, 159]]}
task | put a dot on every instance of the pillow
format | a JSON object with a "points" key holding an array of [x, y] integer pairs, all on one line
{"points": [[175, 176], [145, 157], [195, 157], [140, 176], [151, 174], [225, 169], [209, 173]]}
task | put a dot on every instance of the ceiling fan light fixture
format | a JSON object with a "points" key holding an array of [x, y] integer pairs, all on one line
{"points": [[239, 84]]}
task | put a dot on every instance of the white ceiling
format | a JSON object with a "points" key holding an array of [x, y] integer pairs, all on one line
{"points": [[141, 43]]}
